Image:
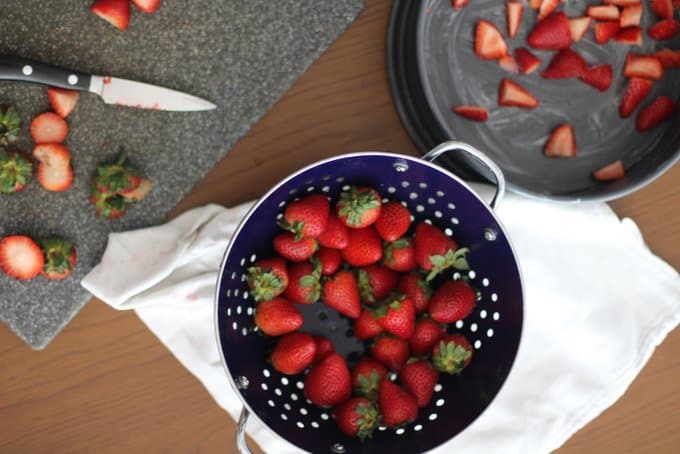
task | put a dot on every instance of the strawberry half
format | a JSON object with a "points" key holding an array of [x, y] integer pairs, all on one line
{"points": [[48, 128], [610, 172], [459, 4], [147, 6], [20, 257], [561, 143], [358, 417], [16, 169], [655, 113], [293, 353], [513, 17], [115, 12], [606, 30], [578, 27], [645, 66], [603, 12], [669, 58], [552, 33], [489, 43], [60, 258], [631, 15], [565, 64], [547, 7], [54, 166], [664, 30], [62, 101], [663, 8], [636, 91], [512, 94], [629, 35], [600, 76], [527, 61], [509, 64], [474, 113]]}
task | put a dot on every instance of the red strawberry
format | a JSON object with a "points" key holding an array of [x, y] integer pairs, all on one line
{"points": [[364, 247], [578, 26], [267, 278], [474, 113], [535, 4], [20, 257], [307, 216], [294, 250], [60, 258], [452, 354], [366, 377], [425, 336], [489, 43], [397, 406], [391, 351], [330, 259], [147, 6], [547, 7], [459, 4], [418, 377], [139, 191], [527, 61], [417, 289], [359, 207], [117, 177], [304, 285], [336, 235], [509, 64], [513, 17], [600, 76], [452, 301], [552, 33], [512, 94], [565, 64], [645, 66], [376, 282], [655, 113], [561, 143], [62, 101], [629, 35], [341, 292], [621, 2], [631, 15], [663, 8], [398, 316], [664, 30], [293, 353], [603, 12], [610, 172], [328, 383], [400, 255], [435, 251], [116, 12], [393, 222], [48, 128], [54, 166], [324, 347], [606, 30], [367, 326], [669, 58], [107, 205], [358, 417], [278, 316], [16, 169], [636, 91]]}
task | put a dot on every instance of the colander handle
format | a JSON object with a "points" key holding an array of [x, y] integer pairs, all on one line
{"points": [[241, 432], [479, 156]]}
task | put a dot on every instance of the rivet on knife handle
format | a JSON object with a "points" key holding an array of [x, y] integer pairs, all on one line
{"points": [[26, 70]]}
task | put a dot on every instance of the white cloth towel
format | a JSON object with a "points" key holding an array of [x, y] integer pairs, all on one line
{"points": [[597, 303]]}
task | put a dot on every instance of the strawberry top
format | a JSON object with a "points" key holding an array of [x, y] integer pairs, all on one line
{"points": [[9, 126], [359, 207], [15, 171]]}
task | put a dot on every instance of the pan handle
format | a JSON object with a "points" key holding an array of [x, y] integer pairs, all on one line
{"points": [[241, 432], [477, 155]]}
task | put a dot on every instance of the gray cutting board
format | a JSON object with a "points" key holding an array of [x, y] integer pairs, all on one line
{"points": [[241, 55]]}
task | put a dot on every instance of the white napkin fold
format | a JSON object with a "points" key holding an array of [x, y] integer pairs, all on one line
{"points": [[597, 303]]}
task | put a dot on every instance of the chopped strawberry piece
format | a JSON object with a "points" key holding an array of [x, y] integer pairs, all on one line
{"points": [[535, 4], [600, 76], [565, 64], [631, 15], [603, 12], [645, 66], [561, 143], [621, 2], [62, 101], [54, 168], [509, 64], [578, 27], [21, 257], [527, 61], [138, 192], [116, 12], [663, 8], [636, 91], [552, 33], [655, 113], [604, 31], [474, 113], [669, 58], [512, 94], [48, 128], [459, 4], [147, 6], [547, 7], [664, 30], [513, 16], [629, 35], [489, 43], [610, 172]]}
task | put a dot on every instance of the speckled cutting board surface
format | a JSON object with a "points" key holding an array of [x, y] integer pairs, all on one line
{"points": [[241, 55]]}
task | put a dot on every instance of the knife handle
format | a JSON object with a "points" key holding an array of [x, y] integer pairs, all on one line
{"points": [[25, 70]]}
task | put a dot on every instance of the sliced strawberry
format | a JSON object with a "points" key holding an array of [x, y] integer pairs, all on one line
{"points": [[621, 2], [552, 33], [663, 8], [512, 94], [636, 91], [604, 31], [578, 27], [561, 143], [138, 192], [603, 12], [459, 4], [20, 257], [62, 101], [664, 30], [527, 61], [655, 113], [116, 12], [489, 43], [535, 4], [547, 7], [600, 76], [54, 169], [565, 64], [645, 66], [669, 58], [513, 17], [509, 64], [147, 6], [629, 35], [48, 128], [631, 15], [474, 113], [610, 172]]}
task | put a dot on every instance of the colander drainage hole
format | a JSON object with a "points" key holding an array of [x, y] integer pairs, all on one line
{"points": [[322, 316], [353, 357], [349, 333]]}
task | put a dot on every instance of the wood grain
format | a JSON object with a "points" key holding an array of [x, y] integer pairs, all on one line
{"points": [[107, 385]]}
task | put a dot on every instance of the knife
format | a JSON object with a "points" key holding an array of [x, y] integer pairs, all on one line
{"points": [[112, 90]]}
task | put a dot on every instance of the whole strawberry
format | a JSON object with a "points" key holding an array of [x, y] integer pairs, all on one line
{"points": [[426, 335], [304, 285], [278, 316], [294, 250], [267, 278], [16, 169], [324, 347], [330, 260], [358, 207], [397, 315], [341, 292], [452, 354], [364, 247], [367, 326], [293, 353], [366, 377], [416, 288], [60, 258], [307, 216], [396, 405], [418, 377], [336, 235], [328, 383], [452, 301], [393, 222], [358, 417], [391, 351], [400, 255], [435, 251], [376, 282]]}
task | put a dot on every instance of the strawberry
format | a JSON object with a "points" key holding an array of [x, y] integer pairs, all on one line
{"points": [[400, 255], [631, 15], [16, 169], [359, 207], [436, 252], [294, 250], [603, 12], [474, 113], [561, 143], [107, 205], [509, 64], [645, 66], [324, 347], [565, 64], [397, 315], [376, 282], [418, 377], [304, 284], [336, 235], [629, 35], [9, 126], [391, 351], [396, 405], [655, 113], [578, 26], [366, 377], [358, 417], [328, 383], [512, 94], [293, 353], [527, 61], [606, 30], [452, 354], [147, 6], [547, 7], [669, 58], [664, 30], [610, 172], [330, 260], [20, 257], [60, 258], [663, 8], [278, 316], [600, 76], [307, 216], [459, 4], [425, 336], [267, 278], [62, 101], [341, 292], [139, 192], [393, 222], [117, 177], [116, 12], [636, 91], [452, 301], [622, 3], [367, 326], [417, 289], [552, 33], [489, 43], [48, 127], [535, 4], [364, 247], [54, 166], [513, 17]]}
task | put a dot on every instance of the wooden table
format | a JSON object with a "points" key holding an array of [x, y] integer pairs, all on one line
{"points": [[107, 384]]}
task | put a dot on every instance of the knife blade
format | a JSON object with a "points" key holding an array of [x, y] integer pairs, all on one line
{"points": [[112, 90]]}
